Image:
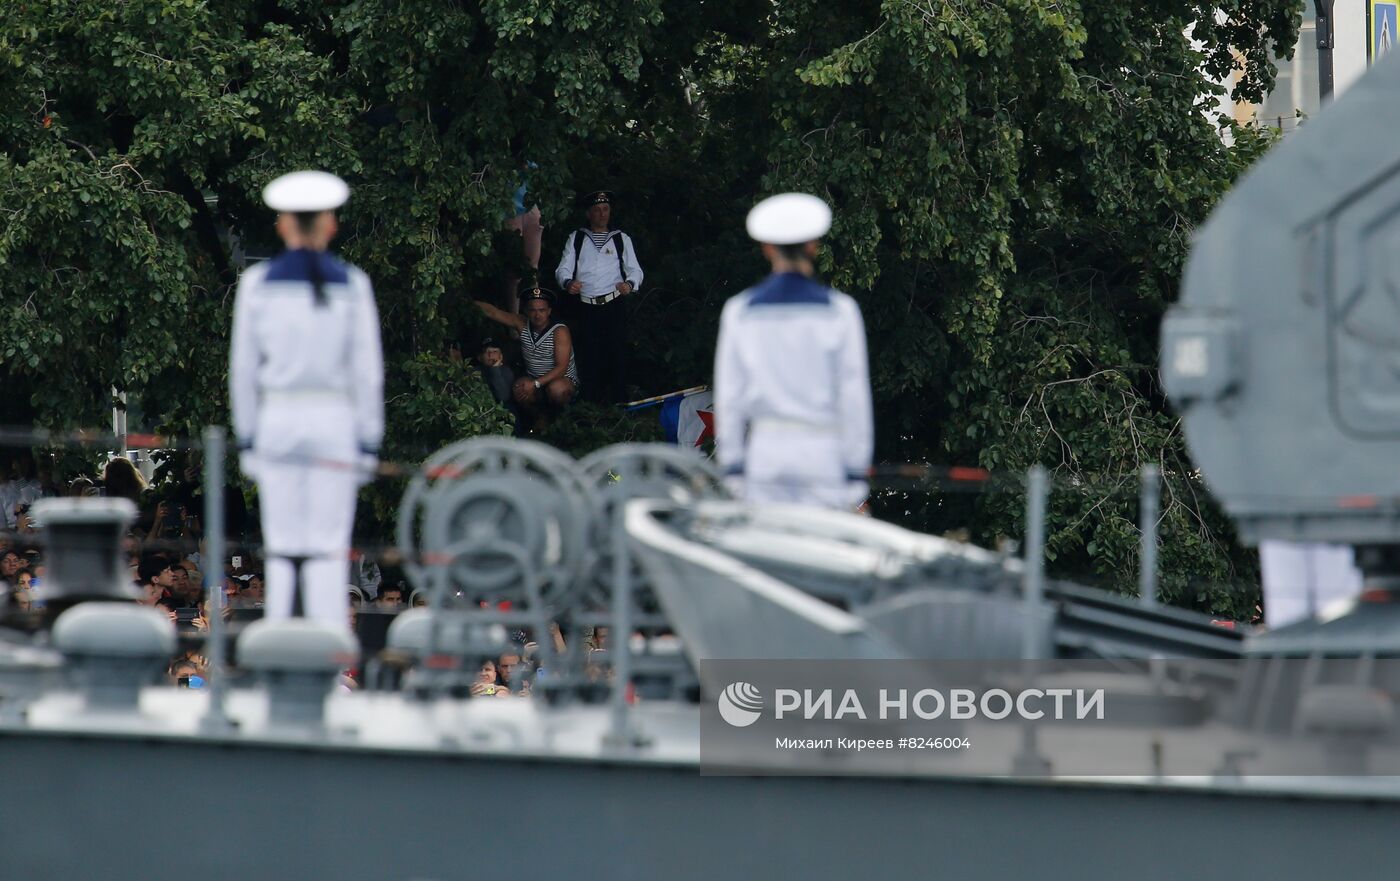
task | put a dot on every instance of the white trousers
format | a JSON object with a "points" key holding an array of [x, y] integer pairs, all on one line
{"points": [[798, 466], [307, 510]]}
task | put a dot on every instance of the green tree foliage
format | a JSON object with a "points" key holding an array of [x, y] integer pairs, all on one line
{"points": [[1015, 184]]}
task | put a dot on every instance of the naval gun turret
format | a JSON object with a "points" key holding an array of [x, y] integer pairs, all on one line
{"points": [[1283, 355]]}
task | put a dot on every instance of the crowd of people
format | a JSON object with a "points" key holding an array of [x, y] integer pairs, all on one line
{"points": [[164, 560], [167, 568]]}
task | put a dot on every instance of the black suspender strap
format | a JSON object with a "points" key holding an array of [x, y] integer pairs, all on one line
{"points": [[621, 266]]}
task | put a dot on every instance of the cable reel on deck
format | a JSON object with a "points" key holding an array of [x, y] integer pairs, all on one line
{"points": [[619, 473], [485, 515], [616, 475]]}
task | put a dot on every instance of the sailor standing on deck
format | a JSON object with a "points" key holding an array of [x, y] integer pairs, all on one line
{"points": [[792, 390], [306, 381]]}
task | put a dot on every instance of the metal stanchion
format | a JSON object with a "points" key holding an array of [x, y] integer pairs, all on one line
{"points": [[1028, 761], [216, 720], [1033, 586], [621, 733], [1150, 502]]}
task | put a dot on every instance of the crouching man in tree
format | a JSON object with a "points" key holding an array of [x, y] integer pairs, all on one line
{"points": [[547, 348]]}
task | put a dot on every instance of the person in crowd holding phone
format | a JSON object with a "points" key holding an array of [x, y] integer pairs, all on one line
{"points": [[185, 589], [174, 525], [306, 380], [485, 684], [185, 674], [24, 519], [18, 492]]}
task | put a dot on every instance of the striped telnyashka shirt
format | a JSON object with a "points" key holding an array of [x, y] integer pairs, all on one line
{"points": [[538, 351]]}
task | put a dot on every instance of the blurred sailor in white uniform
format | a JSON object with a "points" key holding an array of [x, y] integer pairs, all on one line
{"points": [[1302, 580], [793, 416], [306, 381]]}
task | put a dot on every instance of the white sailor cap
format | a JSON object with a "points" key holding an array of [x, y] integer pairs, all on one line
{"points": [[303, 191], [789, 219]]}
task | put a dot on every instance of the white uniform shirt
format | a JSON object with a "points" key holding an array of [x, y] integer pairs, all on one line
{"points": [[284, 344], [599, 270], [792, 354]]}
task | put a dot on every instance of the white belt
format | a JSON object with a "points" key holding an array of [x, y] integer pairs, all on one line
{"points": [[305, 394], [770, 423], [600, 300]]}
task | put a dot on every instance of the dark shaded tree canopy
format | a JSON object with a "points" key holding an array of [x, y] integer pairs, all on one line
{"points": [[1015, 185]]}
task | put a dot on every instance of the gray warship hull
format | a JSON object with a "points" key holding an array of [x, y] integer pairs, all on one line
{"points": [[104, 779], [98, 805]]}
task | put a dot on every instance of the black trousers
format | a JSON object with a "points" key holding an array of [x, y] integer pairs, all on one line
{"points": [[600, 344]]}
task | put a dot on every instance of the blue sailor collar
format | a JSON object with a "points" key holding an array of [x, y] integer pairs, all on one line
{"points": [[785, 288], [295, 265]]}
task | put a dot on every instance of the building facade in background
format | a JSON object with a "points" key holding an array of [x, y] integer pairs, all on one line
{"points": [[1364, 31]]}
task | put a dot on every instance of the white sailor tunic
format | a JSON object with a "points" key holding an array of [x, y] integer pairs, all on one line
{"points": [[599, 267], [306, 384], [793, 411]]}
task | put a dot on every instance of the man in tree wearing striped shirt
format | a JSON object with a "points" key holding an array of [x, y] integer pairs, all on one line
{"points": [[546, 347]]}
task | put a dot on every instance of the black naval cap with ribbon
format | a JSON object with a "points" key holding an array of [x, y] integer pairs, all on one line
{"points": [[530, 292], [598, 197]]}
